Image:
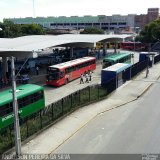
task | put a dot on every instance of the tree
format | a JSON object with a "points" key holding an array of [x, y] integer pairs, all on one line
{"points": [[151, 33], [32, 29], [156, 33], [92, 30], [2, 30], [11, 30]]}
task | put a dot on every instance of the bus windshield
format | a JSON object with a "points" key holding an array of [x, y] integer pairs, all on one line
{"points": [[53, 74]]}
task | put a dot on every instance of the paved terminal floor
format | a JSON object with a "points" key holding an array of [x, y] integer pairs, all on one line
{"points": [[53, 94]]}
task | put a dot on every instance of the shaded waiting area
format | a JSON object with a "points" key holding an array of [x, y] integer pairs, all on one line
{"points": [[30, 46]]}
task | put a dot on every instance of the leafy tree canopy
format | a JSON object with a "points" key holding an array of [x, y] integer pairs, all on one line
{"points": [[151, 33], [32, 29], [92, 30], [10, 30]]}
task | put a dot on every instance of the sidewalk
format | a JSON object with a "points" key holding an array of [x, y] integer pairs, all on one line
{"points": [[48, 140]]}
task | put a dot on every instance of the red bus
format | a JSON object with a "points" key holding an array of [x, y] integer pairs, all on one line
{"points": [[64, 72], [137, 46]]}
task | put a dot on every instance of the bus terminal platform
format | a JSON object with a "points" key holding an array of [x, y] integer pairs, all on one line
{"points": [[47, 141]]}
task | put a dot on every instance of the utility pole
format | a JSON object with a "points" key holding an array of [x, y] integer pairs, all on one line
{"points": [[134, 48], [34, 9], [15, 111], [148, 60], [147, 69]]}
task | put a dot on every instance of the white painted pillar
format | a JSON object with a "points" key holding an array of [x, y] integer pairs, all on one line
{"points": [[115, 47], [104, 48], [4, 66], [71, 52]]}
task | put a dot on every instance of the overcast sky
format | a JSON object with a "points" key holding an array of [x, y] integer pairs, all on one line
{"points": [[44, 8]]}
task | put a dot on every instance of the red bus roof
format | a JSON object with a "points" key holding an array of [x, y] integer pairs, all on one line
{"points": [[130, 42], [73, 62]]}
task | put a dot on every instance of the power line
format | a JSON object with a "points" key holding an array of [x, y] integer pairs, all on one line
{"points": [[15, 110]]}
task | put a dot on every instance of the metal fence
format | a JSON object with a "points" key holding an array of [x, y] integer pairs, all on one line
{"points": [[34, 123], [138, 67], [53, 112]]}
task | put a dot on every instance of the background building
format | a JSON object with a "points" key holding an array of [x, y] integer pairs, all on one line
{"points": [[143, 19], [115, 23]]}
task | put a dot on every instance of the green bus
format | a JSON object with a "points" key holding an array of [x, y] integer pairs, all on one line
{"points": [[30, 99], [116, 58]]}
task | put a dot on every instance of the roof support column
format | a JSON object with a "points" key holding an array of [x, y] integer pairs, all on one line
{"points": [[71, 52], [4, 66], [104, 48], [115, 47]]}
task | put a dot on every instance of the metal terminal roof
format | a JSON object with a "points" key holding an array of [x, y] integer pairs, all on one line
{"points": [[35, 43]]}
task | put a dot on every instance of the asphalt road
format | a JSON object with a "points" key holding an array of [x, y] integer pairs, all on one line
{"points": [[132, 128]]}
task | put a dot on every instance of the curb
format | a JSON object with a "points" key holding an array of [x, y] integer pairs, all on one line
{"points": [[83, 125]]}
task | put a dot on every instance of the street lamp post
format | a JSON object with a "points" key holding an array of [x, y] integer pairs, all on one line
{"points": [[134, 48], [148, 59], [15, 110], [33, 8], [147, 69], [132, 55]]}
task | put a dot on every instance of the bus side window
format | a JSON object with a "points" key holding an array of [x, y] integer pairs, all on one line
{"points": [[37, 96], [83, 65], [61, 74], [93, 62], [26, 101], [77, 67], [2, 110], [72, 69], [11, 106], [6, 109], [67, 70], [20, 103], [80, 66]]}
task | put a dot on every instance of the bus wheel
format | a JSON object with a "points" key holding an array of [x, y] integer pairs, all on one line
{"points": [[66, 81]]}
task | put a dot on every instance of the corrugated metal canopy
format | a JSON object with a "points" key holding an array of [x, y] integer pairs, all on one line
{"points": [[37, 42]]}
